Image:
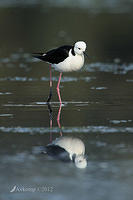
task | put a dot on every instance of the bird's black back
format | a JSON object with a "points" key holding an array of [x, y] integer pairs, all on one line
{"points": [[57, 55], [57, 152]]}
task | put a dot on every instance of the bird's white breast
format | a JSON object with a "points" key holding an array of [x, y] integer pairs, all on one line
{"points": [[71, 63], [71, 145]]}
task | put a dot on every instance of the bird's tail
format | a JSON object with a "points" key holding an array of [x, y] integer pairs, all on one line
{"points": [[38, 55]]}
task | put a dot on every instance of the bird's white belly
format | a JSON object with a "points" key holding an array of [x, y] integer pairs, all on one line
{"points": [[72, 63]]}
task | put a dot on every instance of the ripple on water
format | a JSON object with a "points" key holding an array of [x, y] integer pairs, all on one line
{"points": [[85, 129], [6, 115], [120, 121], [64, 79], [99, 88], [5, 93], [109, 67], [39, 104]]}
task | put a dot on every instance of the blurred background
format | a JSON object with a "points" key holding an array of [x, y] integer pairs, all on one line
{"points": [[97, 101], [106, 26]]}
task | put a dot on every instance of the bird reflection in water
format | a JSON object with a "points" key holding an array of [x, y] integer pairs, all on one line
{"points": [[66, 148], [51, 119]]}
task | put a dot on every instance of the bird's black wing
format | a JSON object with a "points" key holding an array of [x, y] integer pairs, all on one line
{"points": [[57, 152], [55, 56]]}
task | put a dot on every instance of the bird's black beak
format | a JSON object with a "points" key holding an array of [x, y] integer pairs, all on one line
{"points": [[87, 55]]}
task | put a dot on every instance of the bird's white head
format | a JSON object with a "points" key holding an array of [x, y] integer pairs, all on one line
{"points": [[79, 47], [80, 161]]}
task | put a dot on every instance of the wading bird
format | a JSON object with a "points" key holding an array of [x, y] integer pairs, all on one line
{"points": [[68, 149], [66, 58]]}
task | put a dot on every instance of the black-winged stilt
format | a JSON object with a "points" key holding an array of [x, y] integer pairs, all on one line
{"points": [[67, 148], [66, 58]]}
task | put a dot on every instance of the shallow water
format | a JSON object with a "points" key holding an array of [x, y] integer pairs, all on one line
{"points": [[97, 102]]}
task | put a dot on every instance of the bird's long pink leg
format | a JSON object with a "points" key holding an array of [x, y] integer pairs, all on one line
{"points": [[50, 116], [50, 119], [58, 85], [50, 84], [58, 120], [50, 130]]}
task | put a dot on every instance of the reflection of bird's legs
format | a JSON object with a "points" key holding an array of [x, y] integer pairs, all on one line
{"points": [[50, 93], [50, 118], [58, 119]]}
